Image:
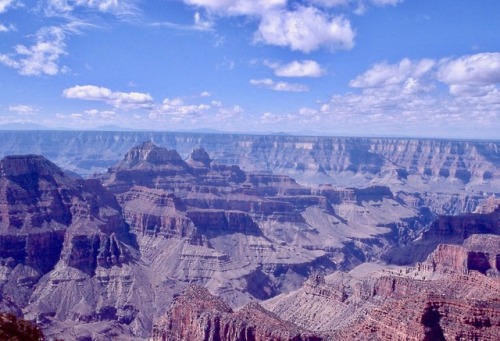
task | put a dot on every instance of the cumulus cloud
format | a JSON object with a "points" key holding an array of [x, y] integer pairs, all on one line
{"points": [[304, 68], [122, 100], [40, 58], [23, 109], [176, 110], [270, 118], [268, 83], [4, 4], [478, 69], [406, 95], [305, 29], [383, 74]]}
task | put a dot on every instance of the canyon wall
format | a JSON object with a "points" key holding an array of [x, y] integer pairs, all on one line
{"points": [[312, 159]]}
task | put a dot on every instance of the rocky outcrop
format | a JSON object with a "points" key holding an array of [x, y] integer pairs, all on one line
{"points": [[273, 229], [102, 257], [478, 253], [379, 303], [66, 253], [446, 229], [197, 315]]}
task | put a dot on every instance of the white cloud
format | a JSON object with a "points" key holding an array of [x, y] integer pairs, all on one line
{"points": [[478, 69], [268, 83], [177, 112], [205, 94], [384, 74], [305, 29], [116, 7], [304, 68], [122, 100], [9, 28], [330, 3], [4, 4], [405, 97], [238, 7], [23, 109], [40, 58], [229, 115], [176, 109], [268, 117]]}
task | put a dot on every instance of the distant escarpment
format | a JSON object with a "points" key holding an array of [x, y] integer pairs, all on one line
{"points": [[449, 176]]}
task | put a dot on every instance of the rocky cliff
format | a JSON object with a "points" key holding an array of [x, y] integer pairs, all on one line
{"points": [[448, 229], [66, 253], [436, 171], [246, 235], [447, 297], [197, 315], [102, 258]]}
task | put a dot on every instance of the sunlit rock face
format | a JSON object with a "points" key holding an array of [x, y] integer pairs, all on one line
{"points": [[197, 315], [248, 235], [451, 295]]}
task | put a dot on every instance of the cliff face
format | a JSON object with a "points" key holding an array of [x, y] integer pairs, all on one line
{"points": [[66, 253], [197, 315], [447, 297], [436, 166], [448, 229], [211, 219], [100, 258]]}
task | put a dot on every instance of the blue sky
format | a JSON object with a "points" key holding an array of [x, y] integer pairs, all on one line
{"points": [[421, 68]]}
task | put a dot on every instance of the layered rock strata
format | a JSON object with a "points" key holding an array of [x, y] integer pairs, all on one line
{"points": [[434, 301], [245, 235], [66, 253], [197, 315], [448, 229], [450, 176]]}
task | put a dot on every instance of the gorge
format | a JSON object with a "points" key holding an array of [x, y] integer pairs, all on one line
{"points": [[249, 237]]}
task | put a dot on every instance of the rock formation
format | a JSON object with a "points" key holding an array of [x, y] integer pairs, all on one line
{"points": [[450, 176], [448, 297], [66, 253], [103, 258], [448, 229], [211, 219], [198, 315]]}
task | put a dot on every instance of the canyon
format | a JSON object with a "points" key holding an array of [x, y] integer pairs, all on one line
{"points": [[242, 237]]}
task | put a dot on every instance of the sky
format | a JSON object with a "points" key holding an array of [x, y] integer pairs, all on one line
{"points": [[401, 68]]}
